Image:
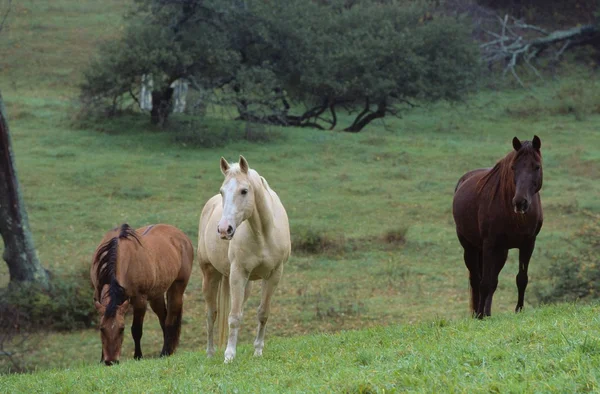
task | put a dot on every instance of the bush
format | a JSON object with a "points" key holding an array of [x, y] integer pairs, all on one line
{"points": [[575, 276], [67, 305], [202, 135]]}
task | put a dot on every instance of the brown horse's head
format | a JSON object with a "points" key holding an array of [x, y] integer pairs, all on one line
{"points": [[112, 329], [527, 172], [237, 195]]}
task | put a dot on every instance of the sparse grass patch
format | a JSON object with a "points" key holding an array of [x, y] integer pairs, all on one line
{"points": [[574, 97]]}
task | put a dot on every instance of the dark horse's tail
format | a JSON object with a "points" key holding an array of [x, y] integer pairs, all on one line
{"points": [[107, 265]]}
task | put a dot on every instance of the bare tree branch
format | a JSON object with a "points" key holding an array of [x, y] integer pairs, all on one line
{"points": [[8, 8]]}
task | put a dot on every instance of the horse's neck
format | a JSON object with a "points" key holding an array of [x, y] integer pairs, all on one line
{"points": [[261, 220], [500, 180]]}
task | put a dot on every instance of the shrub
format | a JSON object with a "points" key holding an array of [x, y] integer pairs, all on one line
{"points": [[575, 276], [67, 305]]}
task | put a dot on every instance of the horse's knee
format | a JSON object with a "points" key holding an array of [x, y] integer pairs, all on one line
{"points": [[235, 320], [522, 279], [136, 331], [263, 315]]}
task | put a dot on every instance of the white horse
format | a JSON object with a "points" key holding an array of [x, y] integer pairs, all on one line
{"points": [[244, 235]]}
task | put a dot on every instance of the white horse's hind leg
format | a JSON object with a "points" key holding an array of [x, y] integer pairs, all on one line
{"points": [[210, 287], [268, 288], [237, 286]]}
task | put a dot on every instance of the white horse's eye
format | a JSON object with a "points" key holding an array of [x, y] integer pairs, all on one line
{"points": [[244, 191]]}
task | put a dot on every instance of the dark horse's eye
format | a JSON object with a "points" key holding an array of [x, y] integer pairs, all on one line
{"points": [[102, 329], [122, 330], [244, 191], [537, 167]]}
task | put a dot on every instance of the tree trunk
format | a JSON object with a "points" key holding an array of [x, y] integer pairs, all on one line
{"points": [[365, 117], [162, 103], [19, 253]]}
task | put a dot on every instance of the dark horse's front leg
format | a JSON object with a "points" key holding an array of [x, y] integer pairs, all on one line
{"points": [[139, 311], [494, 259], [525, 253]]}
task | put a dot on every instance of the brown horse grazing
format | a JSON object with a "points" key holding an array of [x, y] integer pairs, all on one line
{"points": [[496, 210], [134, 267]]}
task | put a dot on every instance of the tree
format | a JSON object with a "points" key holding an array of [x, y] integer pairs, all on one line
{"points": [[19, 252], [269, 59]]}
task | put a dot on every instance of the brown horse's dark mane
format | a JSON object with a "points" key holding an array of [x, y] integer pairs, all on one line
{"points": [[107, 266], [500, 179]]}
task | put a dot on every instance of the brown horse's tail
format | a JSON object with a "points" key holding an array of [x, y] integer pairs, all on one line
{"points": [[223, 305]]}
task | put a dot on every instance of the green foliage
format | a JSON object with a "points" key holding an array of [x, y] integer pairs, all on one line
{"points": [[261, 55], [571, 97], [215, 135], [65, 306], [551, 349], [575, 275]]}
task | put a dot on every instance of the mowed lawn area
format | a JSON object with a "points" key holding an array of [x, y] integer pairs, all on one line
{"points": [[378, 202]]}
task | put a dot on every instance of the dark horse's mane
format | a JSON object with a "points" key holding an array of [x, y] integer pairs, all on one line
{"points": [[107, 266], [500, 179]]}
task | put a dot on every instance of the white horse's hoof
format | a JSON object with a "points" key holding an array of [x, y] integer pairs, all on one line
{"points": [[258, 353], [229, 356]]}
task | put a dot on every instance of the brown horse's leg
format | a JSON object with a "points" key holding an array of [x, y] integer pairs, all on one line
{"points": [[174, 312], [139, 311], [268, 288], [210, 288], [493, 262], [522, 278], [159, 307]]}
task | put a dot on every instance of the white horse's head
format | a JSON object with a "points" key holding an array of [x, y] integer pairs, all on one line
{"points": [[237, 195]]}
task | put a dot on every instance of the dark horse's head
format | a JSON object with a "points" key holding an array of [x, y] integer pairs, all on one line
{"points": [[527, 172]]}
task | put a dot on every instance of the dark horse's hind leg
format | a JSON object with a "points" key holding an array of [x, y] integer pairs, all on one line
{"points": [[522, 278], [139, 310], [493, 262], [159, 307], [173, 321], [472, 257]]}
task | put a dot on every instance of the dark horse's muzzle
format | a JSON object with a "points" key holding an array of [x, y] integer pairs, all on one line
{"points": [[521, 206]]}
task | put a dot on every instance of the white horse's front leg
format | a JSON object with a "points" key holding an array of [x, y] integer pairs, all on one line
{"points": [[237, 286], [268, 288]]}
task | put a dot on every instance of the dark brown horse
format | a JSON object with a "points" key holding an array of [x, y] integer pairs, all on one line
{"points": [[497, 209], [136, 267]]}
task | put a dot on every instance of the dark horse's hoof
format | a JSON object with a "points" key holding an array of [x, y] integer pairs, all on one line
{"points": [[137, 356]]}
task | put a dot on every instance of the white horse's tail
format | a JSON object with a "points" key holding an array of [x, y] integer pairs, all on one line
{"points": [[223, 306]]}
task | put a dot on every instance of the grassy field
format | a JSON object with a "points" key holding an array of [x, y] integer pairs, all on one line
{"points": [[549, 350], [394, 181]]}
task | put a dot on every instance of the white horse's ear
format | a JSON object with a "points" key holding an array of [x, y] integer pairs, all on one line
{"points": [[224, 166], [244, 164]]}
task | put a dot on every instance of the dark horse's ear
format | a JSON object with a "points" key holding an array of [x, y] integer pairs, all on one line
{"points": [[537, 143], [516, 143], [224, 166]]}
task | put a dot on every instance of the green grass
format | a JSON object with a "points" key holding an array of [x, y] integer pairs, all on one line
{"points": [[352, 190], [550, 349]]}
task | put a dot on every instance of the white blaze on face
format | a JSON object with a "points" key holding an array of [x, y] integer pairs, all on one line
{"points": [[227, 224]]}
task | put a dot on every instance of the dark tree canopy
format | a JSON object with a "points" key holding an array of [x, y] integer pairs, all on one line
{"points": [[290, 63]]}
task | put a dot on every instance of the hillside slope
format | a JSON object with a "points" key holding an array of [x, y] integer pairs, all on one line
{"points": [[550, 349]]}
